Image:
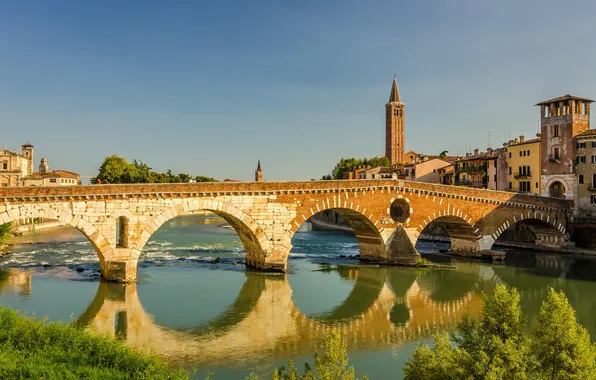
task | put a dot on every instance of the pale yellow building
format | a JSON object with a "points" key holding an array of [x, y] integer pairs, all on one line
{"points": [[523, 165], [585, 169], [14, 166], [53, 178], [426, 171]]}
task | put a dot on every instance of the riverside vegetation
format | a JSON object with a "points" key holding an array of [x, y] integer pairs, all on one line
{"points": [[5, 234]]}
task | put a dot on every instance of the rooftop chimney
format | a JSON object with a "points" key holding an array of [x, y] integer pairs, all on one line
{"points": [[475, 152], [521, 139]]}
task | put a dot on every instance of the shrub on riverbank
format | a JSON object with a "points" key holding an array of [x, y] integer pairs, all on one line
{"points": [[5, 234], [496, 346], [30, 348]]}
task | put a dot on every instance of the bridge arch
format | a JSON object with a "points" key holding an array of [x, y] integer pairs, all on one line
{"points": [[546, 233], [256, 243], [94, 236], [370, 240], [463, 235]]}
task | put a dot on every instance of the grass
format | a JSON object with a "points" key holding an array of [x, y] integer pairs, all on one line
{"points": [[31, 348]]}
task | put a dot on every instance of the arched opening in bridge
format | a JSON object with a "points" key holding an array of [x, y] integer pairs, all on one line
{"points": [[531, 233], [556, 190], [202, 237], [122, 232], [447, 233], [337, 234], [47, 242]]}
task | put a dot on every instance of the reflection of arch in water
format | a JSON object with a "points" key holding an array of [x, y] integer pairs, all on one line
{"points": [[247, 298], [368, 285], [446, 285]]}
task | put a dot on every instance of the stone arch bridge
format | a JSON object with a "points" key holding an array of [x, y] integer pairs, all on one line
{"points": [[387, 216]]}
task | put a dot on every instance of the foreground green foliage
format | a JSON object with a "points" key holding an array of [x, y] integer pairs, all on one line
{"points": [[496, 346], [116, 169], [5, 232], [32, 349], [331, 365], [348, 164]]}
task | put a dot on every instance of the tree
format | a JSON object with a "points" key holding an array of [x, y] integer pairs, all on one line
{"points": [[492, 347], [332, 365], [562, 347], [116, 169], [443, 154]]}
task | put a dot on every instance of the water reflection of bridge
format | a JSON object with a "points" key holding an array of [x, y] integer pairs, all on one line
{"points": [[386, 306]]}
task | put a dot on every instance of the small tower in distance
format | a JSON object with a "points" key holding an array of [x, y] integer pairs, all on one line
{"points": [[43, 166], [259, 173], [394, 126], [27, 152]]}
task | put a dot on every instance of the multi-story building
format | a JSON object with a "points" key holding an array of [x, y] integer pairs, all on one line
{"points": [[425, 171], [585, 168], [446, 175], [561, 120], [471, 170], [523, 165], [496, 169], [14, 167]]}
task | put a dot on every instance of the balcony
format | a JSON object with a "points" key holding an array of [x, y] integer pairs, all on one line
{"points": [[553, 158], [518, 175]]}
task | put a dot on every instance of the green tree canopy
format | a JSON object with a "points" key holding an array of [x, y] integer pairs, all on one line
{"points": [[348, 164], [497, 346], [116, 169]]}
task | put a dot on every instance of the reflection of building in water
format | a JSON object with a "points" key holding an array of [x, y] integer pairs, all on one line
{"points": [[264, 323]]}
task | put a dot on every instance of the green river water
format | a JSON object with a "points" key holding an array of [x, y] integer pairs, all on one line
{"points": [[217, 316]]}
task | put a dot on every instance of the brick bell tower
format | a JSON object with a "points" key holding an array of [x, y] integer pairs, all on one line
{"points": [[394, 126]]}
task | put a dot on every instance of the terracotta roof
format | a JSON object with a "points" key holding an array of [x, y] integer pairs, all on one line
{"points": [[57, 173], [563, 98], [430, 159], [394, 95], [589, 132], [532, 141]]}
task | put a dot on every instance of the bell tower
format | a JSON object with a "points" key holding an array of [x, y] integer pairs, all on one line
{"points": [[259, 173], [394, 126]]}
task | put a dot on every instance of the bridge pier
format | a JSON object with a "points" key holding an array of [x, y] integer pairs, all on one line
{"points": [[395, 246], [119, 270], [464, 246]]}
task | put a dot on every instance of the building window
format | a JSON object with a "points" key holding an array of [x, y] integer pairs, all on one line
{"points": [[593, 198], [509, 154], [536, 184], [593, 144], [580, 159], [495, 178], [520, 153], [528, 152], [510, 186], [524, 186], [495, 163], [555, 131], [510, 170], [594, 159], [580, 145], [52, 180], [5, 166], [581, 178], [593, 186], [557, 155]]}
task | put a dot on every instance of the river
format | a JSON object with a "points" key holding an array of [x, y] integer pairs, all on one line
{"points": [[197, 312]]}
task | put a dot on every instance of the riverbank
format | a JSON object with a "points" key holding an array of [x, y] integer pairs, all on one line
{"points": [[31, 348]]}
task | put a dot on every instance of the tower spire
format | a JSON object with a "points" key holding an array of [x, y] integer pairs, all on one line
{"points": [[259, 172], [394, 95]]}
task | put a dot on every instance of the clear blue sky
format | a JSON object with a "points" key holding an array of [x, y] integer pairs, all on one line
{"points": [[207, 87]]}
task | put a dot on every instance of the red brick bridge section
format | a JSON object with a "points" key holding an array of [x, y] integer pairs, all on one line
{"points": [[387, 215]]}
